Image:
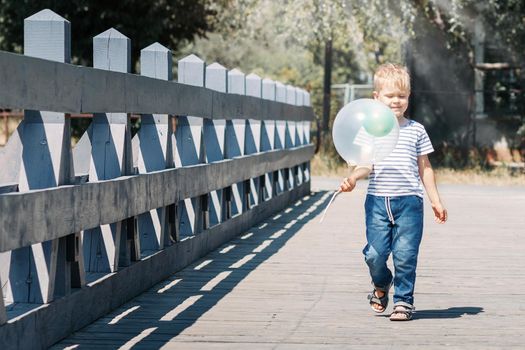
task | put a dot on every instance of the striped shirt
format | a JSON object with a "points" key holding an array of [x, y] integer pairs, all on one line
{"points": [[398, 174]]}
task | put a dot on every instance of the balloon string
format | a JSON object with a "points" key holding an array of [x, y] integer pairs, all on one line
{"points": [[329, 204]]}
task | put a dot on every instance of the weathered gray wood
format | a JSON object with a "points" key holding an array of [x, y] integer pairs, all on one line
{"points": [[235, 140], [306, 130], [112, 51], [106, 247], [189, 145], [290, 135], [43, 327], [280, 136], [280, 299], [253, 134], [71, 89], [104, 157], [214, 138], [48, 36], [40, 157], [11, 161], [3, 314], [299, 125], [268, 133], [299, 135], [306, 98], [59, 211], [153, 148], [156, 61]]}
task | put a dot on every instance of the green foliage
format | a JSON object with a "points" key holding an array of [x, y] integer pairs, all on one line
{"points": [[285, 40], [501, 21], [169, 22]]}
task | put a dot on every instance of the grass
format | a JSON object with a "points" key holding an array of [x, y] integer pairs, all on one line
{"points": [[496, 177], [500, 176]]}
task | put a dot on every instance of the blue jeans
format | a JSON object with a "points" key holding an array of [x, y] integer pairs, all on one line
{"points": [[394, 225]]}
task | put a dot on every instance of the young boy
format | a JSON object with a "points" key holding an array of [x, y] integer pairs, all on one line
{"points": [[394, 202]]}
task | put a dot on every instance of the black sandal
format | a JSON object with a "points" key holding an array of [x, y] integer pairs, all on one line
{"points": [[374, 299]]}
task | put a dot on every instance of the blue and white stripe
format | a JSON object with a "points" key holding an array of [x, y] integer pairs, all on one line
{"points": [[398, 174]]}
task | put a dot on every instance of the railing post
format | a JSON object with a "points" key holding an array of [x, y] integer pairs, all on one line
{"points": [[3, 313], [40, 151], [153, 149], [235, 139], [306, 129], [253, 136], [214, 133], [281, 181], [109, 145], [299, 138], [290, 137], [189, 150], [268, 135], [39, 156]]}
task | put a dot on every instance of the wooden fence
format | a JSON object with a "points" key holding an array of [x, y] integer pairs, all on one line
{"points": [[84, 229]]}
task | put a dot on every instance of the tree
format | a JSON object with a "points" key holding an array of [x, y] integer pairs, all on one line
{"points": [[286, 41], [481, 45], [169, 22]]}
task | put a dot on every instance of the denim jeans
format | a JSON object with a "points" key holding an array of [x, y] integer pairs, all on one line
{"points": [[394, 225]]}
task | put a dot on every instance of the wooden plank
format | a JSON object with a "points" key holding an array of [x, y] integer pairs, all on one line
{"points": [[47, 325], [214, 133], [52, 86], [153, 149], [3, 314], [281, 299], [189, 146], [58, 82], [44, 163], [59, 211]]}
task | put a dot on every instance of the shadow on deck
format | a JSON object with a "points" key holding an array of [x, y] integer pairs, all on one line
{"points": [[174, 305]]}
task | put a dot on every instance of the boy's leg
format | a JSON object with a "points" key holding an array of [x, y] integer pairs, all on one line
{"points": [[379, 241], [408, 230]]}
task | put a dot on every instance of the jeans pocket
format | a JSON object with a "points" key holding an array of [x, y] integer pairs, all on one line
{"points": [[367, 202], [419, 205]]}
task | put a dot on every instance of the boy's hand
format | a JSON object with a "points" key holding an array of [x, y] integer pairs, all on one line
{"points": [[348, 184], [440, 213]]}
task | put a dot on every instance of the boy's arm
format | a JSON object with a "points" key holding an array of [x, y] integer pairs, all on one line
{"points": [[426, 173], [360, 172]]}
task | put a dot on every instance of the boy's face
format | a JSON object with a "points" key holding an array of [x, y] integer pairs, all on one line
{"points": [[395, 98]]}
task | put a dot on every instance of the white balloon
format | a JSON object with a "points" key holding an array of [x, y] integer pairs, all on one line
{"points": [[365, 132]]}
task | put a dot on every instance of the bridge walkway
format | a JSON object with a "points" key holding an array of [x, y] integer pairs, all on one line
{"points": [[294, 283]]}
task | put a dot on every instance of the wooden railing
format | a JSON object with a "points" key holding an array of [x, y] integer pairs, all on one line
{"points": [[83, 229]]}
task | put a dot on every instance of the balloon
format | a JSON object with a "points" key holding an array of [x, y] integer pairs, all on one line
{"points": [[365, 132], [379, 124]]}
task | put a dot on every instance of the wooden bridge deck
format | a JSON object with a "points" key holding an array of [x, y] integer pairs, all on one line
{"points": [[293, 283]]}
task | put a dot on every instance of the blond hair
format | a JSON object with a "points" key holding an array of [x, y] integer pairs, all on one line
{"points": [[391, 73]]}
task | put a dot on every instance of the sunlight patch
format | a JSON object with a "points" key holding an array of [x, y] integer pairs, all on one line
{"points": [[124, 314], [262, 246], [168, 286], [181, 308], [201, 265], [135, 340], [227, 249], [278, 234], [242, 261], [215, 281], [248, 235]]}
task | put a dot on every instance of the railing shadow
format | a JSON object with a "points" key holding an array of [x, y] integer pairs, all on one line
{"points": [[154, 318]]}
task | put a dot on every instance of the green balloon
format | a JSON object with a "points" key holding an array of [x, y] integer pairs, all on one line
{"points": [[379, 123]]}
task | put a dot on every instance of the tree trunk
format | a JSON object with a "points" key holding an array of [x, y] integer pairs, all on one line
{"points": [[327, 84]]}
